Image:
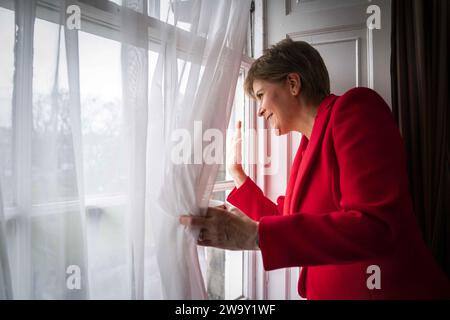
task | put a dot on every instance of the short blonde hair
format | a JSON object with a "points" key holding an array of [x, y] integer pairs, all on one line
{"points": [[289, 56]]}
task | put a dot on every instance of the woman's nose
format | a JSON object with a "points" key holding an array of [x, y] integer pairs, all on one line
{"points": [[261, 111]]}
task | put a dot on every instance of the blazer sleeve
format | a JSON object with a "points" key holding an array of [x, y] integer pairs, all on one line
{"points": [[369, 153], [250, 199]]}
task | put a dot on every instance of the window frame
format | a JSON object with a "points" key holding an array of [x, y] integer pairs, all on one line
{"points": [[249, 154]]}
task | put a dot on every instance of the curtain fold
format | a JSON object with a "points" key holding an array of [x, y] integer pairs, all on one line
{"points": [[25, 12], [420, 85], [51, 257], [73, 75], [5, 275], [210, 62], [135, 100]]}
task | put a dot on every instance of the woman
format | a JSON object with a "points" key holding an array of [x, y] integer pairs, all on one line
{"points": [[347, 216]]}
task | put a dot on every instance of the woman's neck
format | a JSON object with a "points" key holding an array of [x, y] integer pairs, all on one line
{"points": [[306, 118]]}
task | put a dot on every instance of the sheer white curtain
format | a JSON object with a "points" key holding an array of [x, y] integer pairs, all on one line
{"points": [[5, 277], [96, 195], [209, 65], [47, 234]]}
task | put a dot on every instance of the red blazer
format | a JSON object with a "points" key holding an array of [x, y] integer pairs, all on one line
{"points": [[347, 207]]}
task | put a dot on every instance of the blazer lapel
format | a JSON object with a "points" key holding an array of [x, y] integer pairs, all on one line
{"points": [[313, 147], [293, 176]]}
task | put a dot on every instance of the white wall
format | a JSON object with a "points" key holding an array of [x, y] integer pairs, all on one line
{"points": [[325, 17]]}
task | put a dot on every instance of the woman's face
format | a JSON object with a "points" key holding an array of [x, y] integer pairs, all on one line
{"points": [[278, 104]]}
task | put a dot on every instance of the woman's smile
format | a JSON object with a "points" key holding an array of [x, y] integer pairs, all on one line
{"points": [[277, 106]]}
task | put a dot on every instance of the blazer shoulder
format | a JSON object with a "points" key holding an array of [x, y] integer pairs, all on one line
{"points": [[361, 97]]}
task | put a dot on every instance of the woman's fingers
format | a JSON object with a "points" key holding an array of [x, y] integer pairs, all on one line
{"points": [[238, 143], [192, 221], [212, 211], [220, 206], [205, 243], [224, 229], [202, 221], [237, 212], [203, 235], [235, 156], [238, 129]]}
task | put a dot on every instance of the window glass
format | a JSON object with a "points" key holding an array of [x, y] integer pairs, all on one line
{"points": [[237, 114], [184, 18], [224, 269], [101, 115], [52, 158]]}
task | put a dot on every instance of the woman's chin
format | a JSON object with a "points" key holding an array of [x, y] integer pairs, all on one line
{"points": [[277, 131]]}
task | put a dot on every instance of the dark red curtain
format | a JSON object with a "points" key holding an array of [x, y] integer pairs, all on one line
{"points": [[420, 103]]}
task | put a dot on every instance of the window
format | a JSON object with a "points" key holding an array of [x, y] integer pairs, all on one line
{"points": [[101, 115], [102, 130], [51, 134]]}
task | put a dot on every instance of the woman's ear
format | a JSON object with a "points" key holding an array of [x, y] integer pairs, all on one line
{"points": [[295, 83]]}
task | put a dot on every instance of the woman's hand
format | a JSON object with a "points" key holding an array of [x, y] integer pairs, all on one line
{"points": [[234, 159], [225, 229]]}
